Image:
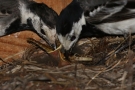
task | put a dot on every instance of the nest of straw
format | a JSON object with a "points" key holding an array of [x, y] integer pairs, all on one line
{"points": [[97, 64]]}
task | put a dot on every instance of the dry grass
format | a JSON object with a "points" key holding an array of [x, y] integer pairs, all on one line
{"points": [[97, 64]]}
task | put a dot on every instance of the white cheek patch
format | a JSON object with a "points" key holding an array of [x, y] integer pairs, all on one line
{"points": [[50, 33]]}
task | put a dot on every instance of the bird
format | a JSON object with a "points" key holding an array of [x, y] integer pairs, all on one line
{"points": [[20, 15], [94, 18]]}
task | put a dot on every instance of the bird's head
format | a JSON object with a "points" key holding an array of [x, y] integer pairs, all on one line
{"points": [[48, 34], [44, 22], [69, 25]]}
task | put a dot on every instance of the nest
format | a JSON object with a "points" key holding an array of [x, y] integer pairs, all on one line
{"points": [[97, 64]]}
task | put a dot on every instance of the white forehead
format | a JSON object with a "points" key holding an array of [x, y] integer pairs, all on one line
{"points": [[76, 30]]}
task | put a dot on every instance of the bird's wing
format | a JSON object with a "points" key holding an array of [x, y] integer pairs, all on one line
{"points": [[97, 10], [128, 12]]}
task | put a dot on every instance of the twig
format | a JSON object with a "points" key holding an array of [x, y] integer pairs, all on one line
{"points": [[94, 77]]}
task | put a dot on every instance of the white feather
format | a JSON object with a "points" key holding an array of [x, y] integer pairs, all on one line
{"points": [[50, 33], [118, 28], [95, 11]]}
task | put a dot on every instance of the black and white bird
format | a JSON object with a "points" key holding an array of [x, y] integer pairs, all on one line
{"points": [[19, 15], [83, 18]]}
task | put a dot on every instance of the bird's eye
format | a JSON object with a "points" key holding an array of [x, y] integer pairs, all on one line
{"points": [[42, 31], [72, 38]]}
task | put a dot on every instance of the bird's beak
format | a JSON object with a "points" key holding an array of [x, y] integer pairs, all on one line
{"points": [[66, 53], [53, 46]]}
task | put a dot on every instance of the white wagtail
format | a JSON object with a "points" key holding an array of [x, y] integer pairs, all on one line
{"points": [[19, 15], [82, 18]]}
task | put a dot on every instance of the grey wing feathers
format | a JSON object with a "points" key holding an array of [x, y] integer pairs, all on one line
{"points": [[127, 12], [90, 4], [102, 9]]}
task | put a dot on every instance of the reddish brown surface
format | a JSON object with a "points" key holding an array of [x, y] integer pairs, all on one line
{"points": [[15, 43], [57, 5]]}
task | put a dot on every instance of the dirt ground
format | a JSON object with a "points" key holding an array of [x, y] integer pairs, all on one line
{"points": [[96, 64]]}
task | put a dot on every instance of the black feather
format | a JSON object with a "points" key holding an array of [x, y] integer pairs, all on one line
{"points": [[48, 15], [68, 16]]}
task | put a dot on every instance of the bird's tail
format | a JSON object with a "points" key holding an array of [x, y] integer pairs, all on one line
{"points": [[8, 13], [8, 7]]}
